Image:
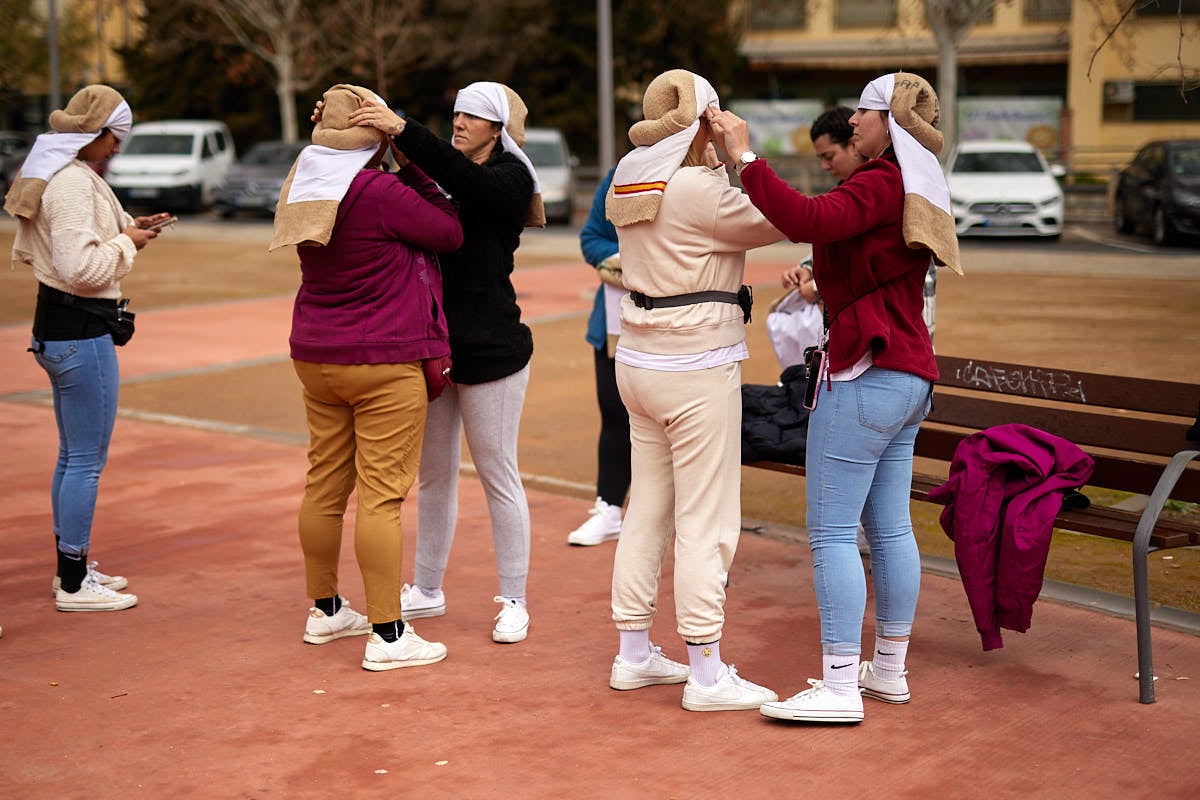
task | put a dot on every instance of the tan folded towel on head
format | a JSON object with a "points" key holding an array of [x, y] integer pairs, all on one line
{"points": [[91, 110], [912, 119], [672, 106], [323, 172]]}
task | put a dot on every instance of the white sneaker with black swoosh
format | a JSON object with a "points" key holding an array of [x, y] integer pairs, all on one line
{"points": [[817, 704]]}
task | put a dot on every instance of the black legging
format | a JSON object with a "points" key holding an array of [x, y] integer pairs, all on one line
{"points": [[613, 450]]}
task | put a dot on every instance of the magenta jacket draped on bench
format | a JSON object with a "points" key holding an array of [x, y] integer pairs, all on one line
{"points": [[1005, 488]]}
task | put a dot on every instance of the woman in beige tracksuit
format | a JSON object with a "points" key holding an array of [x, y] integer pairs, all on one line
{"points": [[683, 230]]}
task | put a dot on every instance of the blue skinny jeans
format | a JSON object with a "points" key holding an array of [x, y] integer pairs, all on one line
{"points": [[859, 466], [84, 379]]}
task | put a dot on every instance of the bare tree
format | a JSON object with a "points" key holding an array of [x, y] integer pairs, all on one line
{"points": [[382, 37], [1113, 19], [951, 21], [287, 35]]}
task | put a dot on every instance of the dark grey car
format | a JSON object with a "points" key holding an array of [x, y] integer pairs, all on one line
{"points": [[1159, 192], [14, 147], [254, 181]]}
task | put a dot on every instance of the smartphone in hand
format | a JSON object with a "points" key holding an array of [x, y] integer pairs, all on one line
{"points": [[162, 224]]}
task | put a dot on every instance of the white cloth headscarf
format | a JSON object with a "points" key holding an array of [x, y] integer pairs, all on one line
{"points": [[325, 173], [488, 100], [54, 150], [927, 220], [920, 169]]}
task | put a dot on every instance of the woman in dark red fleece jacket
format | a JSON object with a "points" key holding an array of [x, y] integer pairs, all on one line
{"points": [[873, 237]]}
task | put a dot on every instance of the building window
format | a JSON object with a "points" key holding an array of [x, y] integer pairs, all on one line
{"points": [[1149, 101], [1047, 10], [865, 13], [1155, 102], [772, 15], [1152, 8]]}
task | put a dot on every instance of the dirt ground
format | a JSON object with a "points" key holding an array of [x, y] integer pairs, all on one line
{"points": [[1080, 310]]}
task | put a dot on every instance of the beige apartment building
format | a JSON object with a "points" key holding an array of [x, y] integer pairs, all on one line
{"points": [[1027, 62]]}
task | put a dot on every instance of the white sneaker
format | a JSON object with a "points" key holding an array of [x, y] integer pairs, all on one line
{"points": [[321, 628], [415, 604], [656, 670], [114, 582], [512, 623], [409, 650], [889, 691], [603, 525], [817, 704], [93, 597], [729, 693]]}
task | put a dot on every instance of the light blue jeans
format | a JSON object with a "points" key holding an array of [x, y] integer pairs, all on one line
{"points": [[84, 379], [859, 466]]}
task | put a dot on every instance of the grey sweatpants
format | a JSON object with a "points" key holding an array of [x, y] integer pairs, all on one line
{"points": [[490, 415]]}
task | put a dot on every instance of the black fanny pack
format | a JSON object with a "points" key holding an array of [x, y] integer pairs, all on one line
{"points": [[61, 316], [743, 297]]}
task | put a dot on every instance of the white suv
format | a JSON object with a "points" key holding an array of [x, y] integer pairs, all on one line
{"points": [[173, 164]]}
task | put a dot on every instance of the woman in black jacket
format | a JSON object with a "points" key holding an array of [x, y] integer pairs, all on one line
{"points": [[494, 188]]}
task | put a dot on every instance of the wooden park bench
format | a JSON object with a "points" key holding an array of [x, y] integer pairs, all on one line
{"points": [[1135, 429]]}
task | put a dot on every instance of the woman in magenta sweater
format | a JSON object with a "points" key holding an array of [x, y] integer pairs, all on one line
{"points": [[368, 312], [873, 236]]}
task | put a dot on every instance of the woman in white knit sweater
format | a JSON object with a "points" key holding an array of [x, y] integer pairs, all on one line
{"points": [[79, 243]]}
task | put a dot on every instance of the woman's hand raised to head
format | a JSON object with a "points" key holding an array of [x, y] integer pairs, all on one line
{"points": [[379, 117], [317, 109], [733, 131]]}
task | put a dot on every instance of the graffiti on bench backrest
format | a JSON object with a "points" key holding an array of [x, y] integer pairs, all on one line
{"points": [[1027, 381]]}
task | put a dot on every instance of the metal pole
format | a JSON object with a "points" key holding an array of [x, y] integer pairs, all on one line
{"points": [[52, 40], [604, 73]]}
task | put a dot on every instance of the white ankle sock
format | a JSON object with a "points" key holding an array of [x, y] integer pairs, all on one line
{"points": [[888, 661], [705, 661], [431, 594], [635, 646], [840, 674]]}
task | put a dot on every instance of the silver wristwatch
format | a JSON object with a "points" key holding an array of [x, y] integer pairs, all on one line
{"points": [[745, 158]]}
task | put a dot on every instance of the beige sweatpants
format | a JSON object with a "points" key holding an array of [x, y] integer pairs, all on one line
{"points": [[685, 428]]}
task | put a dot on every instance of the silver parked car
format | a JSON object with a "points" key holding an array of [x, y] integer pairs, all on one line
{"points": [[555, 166], [253, 183]]}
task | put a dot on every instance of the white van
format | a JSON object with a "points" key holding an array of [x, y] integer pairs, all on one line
{"points": [[173, 164], [555, 166]]}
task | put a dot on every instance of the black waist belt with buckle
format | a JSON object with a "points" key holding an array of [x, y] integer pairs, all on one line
{"points": [[744, 297], [62, 317]]}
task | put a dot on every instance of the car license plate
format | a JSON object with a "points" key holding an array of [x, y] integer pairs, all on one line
{"points": [[143, 193]]}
